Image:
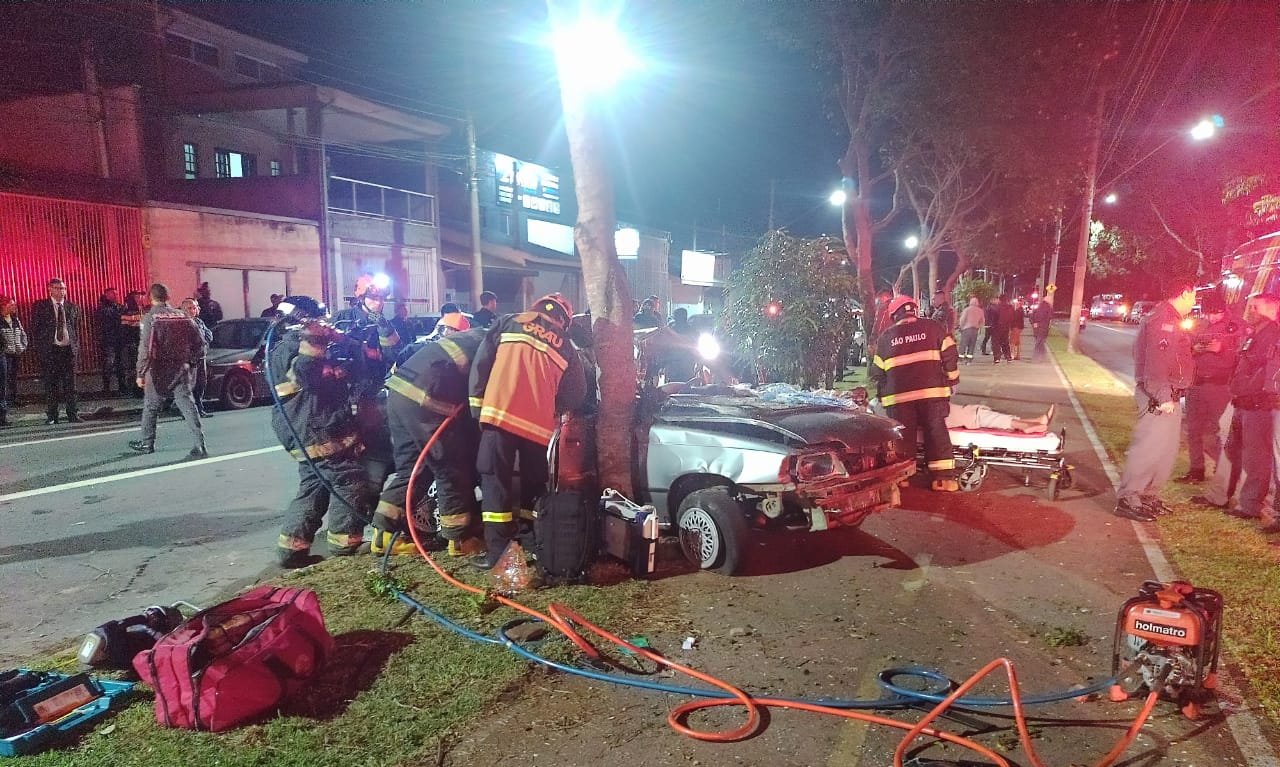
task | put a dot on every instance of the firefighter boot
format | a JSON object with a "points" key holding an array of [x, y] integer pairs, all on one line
{"points": [[466, 547], [945, 485], [403, 546]]}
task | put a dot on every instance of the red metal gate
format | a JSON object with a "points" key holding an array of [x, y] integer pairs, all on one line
{"points": [[91, 246]]}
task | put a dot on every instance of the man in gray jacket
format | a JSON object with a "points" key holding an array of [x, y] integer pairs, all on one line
{"points": [[169, 347]]}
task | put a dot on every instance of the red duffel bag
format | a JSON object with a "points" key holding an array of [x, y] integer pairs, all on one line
{"points": [[236, 661]]}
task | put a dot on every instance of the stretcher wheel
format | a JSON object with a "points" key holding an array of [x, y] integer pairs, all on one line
{"points": [[1054, 483], [1066, 480], [971, 478]]}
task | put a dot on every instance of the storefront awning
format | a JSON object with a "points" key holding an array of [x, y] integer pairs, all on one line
{"points": [[455, 250]]}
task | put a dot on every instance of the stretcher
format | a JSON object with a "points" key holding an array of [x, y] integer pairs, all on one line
{"points": [[977, 450]]}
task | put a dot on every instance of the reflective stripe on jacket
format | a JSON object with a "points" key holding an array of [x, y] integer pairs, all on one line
{"points": [[437, 375], [525, 372], [314, 400], [915, 360]]}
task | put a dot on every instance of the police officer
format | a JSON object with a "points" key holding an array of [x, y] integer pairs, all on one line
{"points": [[1163, 371], [169, 349], [525, 373], [1213, 347], [1255, 393], [314, 423], [915, 368], [365, 323], [422, 392]]}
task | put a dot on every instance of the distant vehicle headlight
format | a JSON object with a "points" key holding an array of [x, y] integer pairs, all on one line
{"points": [[708, 347]]}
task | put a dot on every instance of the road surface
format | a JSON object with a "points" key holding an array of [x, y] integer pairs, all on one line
{"points": [[1110, 344], [93, 531]]}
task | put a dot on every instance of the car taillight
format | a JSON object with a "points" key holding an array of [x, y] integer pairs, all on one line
{"points": [[243, 364], [818, 466]]}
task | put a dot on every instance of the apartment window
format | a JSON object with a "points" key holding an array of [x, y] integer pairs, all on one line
{"points": [[190, 161], [275, 167], [194, 50], [229, 164], [258, 70]]}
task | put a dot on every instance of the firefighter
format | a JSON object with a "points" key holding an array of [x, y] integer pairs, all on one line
{"points": [[524, 374], [422, 392], [365, 322], [314, 423], [915, 368]]}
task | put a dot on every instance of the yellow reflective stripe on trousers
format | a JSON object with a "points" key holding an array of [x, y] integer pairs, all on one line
{"points": [[476, 401], [949, 463], [455, 520], [497, 516], [913, 357], [293, 544], [326, 449], [936, 392], [288, 388], [414, 393], [345, 540], [455, 353], [389, 510]]}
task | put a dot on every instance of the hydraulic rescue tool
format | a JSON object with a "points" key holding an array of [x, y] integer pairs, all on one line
{"points": [[115, 643], [1166, 641]]}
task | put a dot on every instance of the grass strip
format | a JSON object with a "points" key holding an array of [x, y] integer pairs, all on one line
{"points": [[1206, 547], [394, 693]]}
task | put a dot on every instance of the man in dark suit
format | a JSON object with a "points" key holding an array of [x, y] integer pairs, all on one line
{"points": [[55, 338]]}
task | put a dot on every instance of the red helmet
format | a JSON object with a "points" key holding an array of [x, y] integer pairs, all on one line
{"points": [[454, 321], [554, 307], [901, 305], [372, 284]]}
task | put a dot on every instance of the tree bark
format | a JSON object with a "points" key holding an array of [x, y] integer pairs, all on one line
{"points": [[608, 294]]}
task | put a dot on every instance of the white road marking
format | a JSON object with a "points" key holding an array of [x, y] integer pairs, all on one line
{"points": [[1123, 329], [82, 435], [1245, 729], [139, 473]]}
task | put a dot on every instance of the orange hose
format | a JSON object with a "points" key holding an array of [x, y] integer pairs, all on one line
{"points": [[564, 619]]}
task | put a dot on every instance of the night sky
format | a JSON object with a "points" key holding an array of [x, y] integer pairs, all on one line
{"points": [[716, 114]]}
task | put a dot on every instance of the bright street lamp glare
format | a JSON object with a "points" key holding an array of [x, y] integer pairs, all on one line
{"points": [[912, 242], [1204, 130], [838, 197], [593, 53], [1110, 199]]}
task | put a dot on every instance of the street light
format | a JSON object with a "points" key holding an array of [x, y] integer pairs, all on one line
{"points": [[912, 242], [593, 53], [1111, 198], [1206, 128], [838, 198]]}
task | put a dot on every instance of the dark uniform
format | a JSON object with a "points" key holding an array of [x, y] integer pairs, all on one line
{"points": [[106, 326], [1214, 347], [169, 348], [381, 342], [314, 420], [914, 368], [1163, 371], [525, 373], [423, 392], [1255, 393]]}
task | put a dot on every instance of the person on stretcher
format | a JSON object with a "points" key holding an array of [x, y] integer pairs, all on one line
{"points": [[973, 416], [983, 417]]}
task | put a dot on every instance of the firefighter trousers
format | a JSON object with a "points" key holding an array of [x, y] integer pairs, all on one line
{"points": [[348, 513], [496, 462], [929, 417], [451, 463], [378, 457]]}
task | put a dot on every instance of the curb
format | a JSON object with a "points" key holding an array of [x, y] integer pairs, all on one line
{"points": [[1244, 726]]}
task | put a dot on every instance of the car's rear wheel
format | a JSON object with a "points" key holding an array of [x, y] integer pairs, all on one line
{"points": [[713, 530], [237, 391]]}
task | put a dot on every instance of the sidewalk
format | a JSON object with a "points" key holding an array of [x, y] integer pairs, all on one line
{"points": [[91, 407]]}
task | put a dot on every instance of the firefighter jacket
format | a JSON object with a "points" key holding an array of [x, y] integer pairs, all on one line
{"points": [[169, 341], [1255, 385], [915, 360], [1162, 364], [437, 375], [380, 341], [525, 372], [314, 398], [1215, 367]]}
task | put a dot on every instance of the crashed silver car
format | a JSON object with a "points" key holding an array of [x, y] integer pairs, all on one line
{"points": [[718, 462]]}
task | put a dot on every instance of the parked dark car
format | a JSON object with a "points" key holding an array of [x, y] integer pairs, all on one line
{"points": [[237, 378]]}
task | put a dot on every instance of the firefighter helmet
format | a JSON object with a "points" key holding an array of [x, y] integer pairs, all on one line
{"points": [[304, 307], [375, 284], [556, 308], [901, 306], [454, 321]]}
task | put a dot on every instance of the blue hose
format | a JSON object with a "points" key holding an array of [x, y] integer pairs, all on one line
{"points": [[899, 697]]}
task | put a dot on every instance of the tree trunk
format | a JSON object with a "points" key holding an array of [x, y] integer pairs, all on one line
{"points": [[608, 294], [933, 272], [855, 224]]}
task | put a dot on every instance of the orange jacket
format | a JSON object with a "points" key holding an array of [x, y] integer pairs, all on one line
{"points": [[525, 373]]}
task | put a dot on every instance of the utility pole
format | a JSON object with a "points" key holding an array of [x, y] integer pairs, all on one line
{"points": [[473, 187], [1086, 219], [773, 184], [97, 107], [1053, 264]]}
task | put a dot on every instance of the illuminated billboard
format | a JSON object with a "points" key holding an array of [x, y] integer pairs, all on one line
{"points": [[539, 187], [698, 268]]}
